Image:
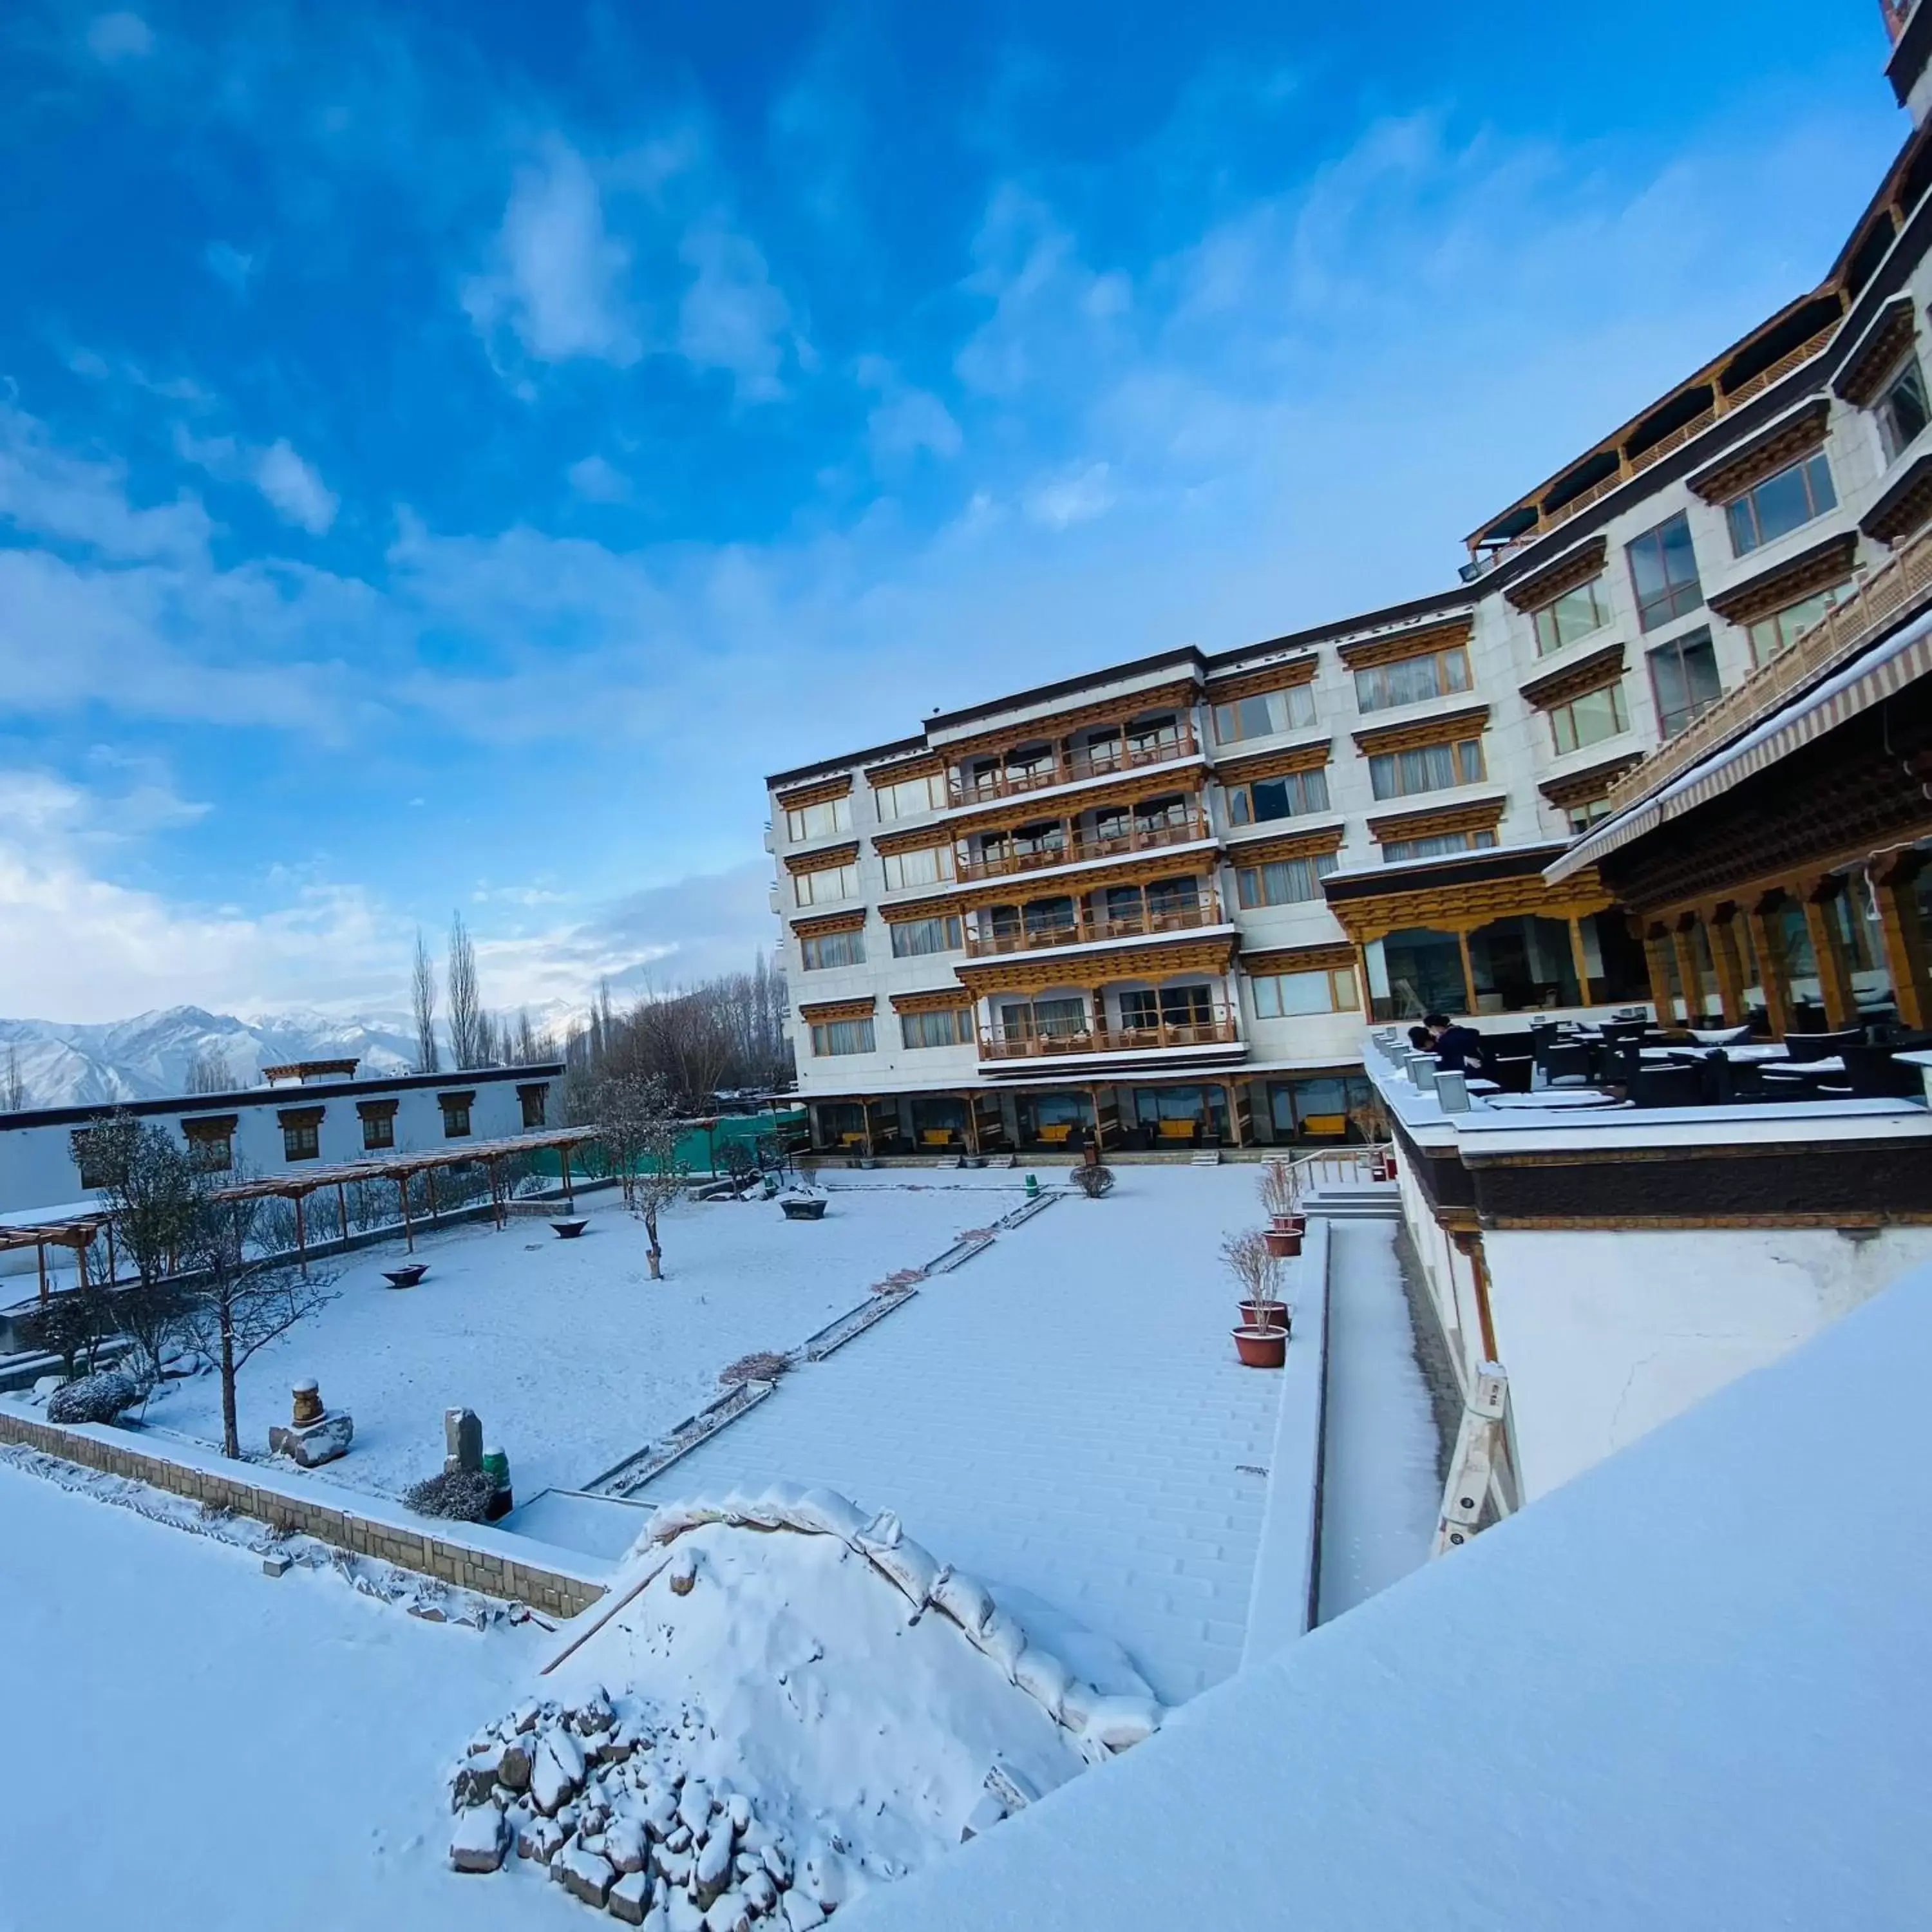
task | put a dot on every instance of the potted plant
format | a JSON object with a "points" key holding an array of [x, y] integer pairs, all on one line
{"points": [[1281, 1195], [1262, 1340]]}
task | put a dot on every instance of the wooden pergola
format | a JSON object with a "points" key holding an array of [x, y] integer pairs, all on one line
{"points": [[76, 1232]]}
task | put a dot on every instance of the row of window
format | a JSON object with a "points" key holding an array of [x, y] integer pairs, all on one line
{"points": [[213, 1149]]}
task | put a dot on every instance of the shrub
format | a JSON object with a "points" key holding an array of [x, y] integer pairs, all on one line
{"points": [[1093, 1181], [760, 1366], [460, 1495], [95, 1398]]}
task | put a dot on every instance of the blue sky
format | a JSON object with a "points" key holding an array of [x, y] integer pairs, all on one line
{"points": [[448, 455]]}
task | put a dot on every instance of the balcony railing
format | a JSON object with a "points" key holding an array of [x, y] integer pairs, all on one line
{"points": [[1087, 931], [1102, 762], [1087, 845], [1902, 584], [1218, 1029]]}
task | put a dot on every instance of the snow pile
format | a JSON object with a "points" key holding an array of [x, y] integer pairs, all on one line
{"points": [[792, 1726]]}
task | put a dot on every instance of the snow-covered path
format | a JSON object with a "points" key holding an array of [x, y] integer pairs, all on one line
{"points": [[199, 1746], [1064, 1413], [1379, 1493]]}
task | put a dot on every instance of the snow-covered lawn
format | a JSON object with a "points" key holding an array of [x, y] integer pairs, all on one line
{"points": [[570, 1354]]}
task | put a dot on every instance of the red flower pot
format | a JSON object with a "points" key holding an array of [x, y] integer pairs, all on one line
{"points": [[1284, 1243], [1262, 1347], [1267, 1315], [1293, 1223]]}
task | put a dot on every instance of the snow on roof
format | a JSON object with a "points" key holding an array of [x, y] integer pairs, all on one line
{"points": [[1690, 1688]]}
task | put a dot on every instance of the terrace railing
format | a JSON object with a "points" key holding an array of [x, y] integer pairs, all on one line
{"points": [[1218, 1029], [1087, 931], [1101, 762], [1137, 838]]}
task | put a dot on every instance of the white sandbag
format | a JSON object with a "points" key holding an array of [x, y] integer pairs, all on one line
{"points": [[821, 1512], [913, 1568], [1077, 1703], [1002, 1639], [673, 1520], [772, 1508], [883, 1531], [965, 1600], [1120, 1723], [1044, 1679]]}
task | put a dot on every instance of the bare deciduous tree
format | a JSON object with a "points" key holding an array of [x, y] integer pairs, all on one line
{"points": [[14, 1100], [1251, 1264], [152, 1190], [241, 1300], [469, 1031], [637, 1118], [209, 1072], [422, 1000]]}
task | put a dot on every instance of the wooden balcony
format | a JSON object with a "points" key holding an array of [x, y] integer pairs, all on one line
{"points": [[1102, 763], [1218, 1029], [1087, 931], [1084, 846]]}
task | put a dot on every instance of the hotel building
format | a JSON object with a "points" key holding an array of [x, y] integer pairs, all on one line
{"points": [[1158, 903]]}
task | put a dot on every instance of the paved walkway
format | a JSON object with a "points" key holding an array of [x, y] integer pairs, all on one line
{"points": [[1064, 1413]]}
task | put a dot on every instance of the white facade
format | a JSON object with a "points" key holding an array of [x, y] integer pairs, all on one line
{"points": [[40, 1167]]}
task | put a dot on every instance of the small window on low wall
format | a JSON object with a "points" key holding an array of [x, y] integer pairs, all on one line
{"points": [[378, 1124], [302, 1132], [455, 1114]]}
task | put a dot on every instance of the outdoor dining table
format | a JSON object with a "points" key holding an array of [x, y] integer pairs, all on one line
{"points": [[1760, 1053]]}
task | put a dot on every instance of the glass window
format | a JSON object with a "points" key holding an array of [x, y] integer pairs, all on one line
{"points": [[1291, 709], [836, 1037], [1049, 1019], [1590, 718], [821, 820], [915, 938], [910, 796], [1684, 674], [1426, 768], [455, 1119], [821, 949], [303, 1142], [1282, 995], [1664, 572], [211, 1154], [1437, 845], [1580, 817], [1290, 796], [1410, 680], [952, 1027], [1768, 511], [1573, 615], [1902, 409], [379, 1130], [534, 1100], [1283, 881], [831, 882], [1783, 628], [925, 867]]}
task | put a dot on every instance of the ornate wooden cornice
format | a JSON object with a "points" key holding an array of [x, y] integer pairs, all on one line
{"points": [[1589, 674], [1275, 764], [1151, 960], [1593, 782], [381, 1110], [824, 858], [1265, 851], [1444, 729], [1461, 905], [1416, 643], [1879, 350], [1121, 710], [1818, 569], [927, 764], [921, 839], [831, 922], [817, 1012], [1904, 509], [1482, 814], [904, 912], [1299, 958], [219, 1127], [938, 1000], [1770, 450], [311, 1117], [1573, 568], [815, 794], [1281, 677]]}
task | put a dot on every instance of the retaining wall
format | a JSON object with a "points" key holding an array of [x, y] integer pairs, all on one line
{"points": [[471, 1556]]}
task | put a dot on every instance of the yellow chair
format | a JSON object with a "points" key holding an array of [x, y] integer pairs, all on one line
{"points": [[1176, 1130], [937, 1137], [1324, 1127], [1056, 1133]]}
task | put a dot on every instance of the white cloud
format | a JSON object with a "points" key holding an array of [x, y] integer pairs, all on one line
{"points": [[599, 481], [228, 264], [732, 318], [1075, 497], [905, 420], [48, 492], [119, 37], [295, 489], [559, 279]]}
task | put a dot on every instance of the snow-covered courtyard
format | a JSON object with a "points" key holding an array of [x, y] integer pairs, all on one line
{"points": [[572, 1356]]}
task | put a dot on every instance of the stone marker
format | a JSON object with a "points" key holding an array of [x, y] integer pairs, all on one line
{"points": [[462, 1440], [315, 1435]]}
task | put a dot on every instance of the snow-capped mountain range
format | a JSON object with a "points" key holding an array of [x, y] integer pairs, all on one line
{"points": [[148, 1058]]}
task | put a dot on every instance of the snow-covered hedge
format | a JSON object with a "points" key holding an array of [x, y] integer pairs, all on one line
{"points": [[1100, 1726], [99, 1397], [459, 1495]]}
